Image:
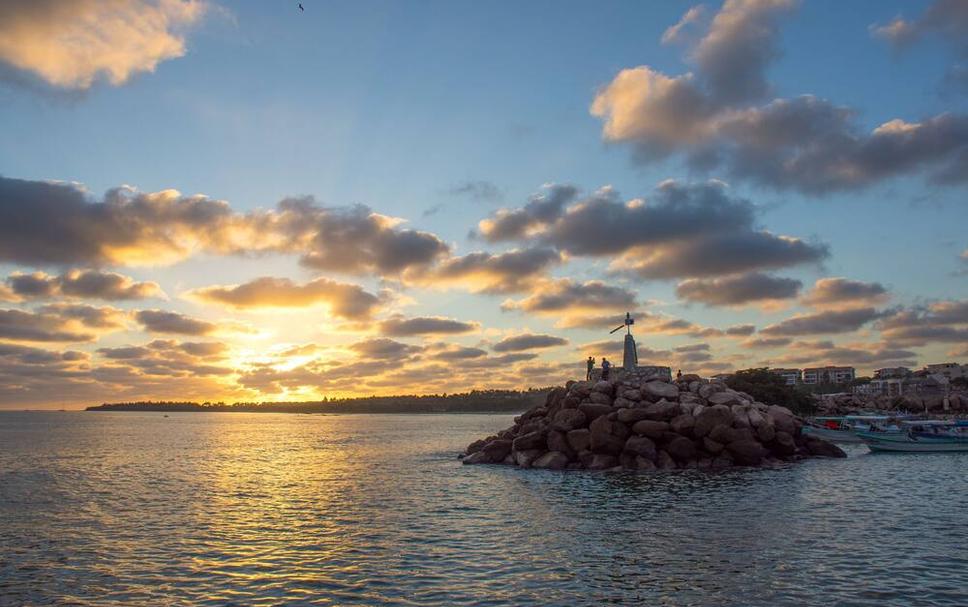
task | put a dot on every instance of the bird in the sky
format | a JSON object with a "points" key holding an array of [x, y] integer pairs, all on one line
{"points": [[301, 7]]}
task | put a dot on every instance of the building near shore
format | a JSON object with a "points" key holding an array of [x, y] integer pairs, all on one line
{"points": [[949, 370], [891, 372], [792, 377], [828, 375]]}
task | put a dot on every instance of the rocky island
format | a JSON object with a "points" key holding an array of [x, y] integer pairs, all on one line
{"points": [[645, 421]]}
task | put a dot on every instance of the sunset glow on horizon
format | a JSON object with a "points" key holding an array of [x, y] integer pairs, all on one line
{"points": [[247, 202]]}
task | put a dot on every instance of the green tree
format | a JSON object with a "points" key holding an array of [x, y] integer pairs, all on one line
{"points": [[768, 387]]}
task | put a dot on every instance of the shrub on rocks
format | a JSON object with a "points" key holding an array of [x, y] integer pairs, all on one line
{"points": [[661, 425]]}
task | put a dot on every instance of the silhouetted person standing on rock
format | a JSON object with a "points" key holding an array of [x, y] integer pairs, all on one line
{"points": [[606, 367], [591, 365]]}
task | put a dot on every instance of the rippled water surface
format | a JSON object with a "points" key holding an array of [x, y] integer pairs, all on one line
{"points": [[266, 509]]}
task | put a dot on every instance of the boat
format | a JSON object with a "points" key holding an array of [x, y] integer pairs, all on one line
{"points": [[842, 429], [930, 436]]}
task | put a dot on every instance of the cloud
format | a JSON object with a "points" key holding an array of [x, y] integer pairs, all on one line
{"points": [[17, 325], [344, 300], [675, 33], [830, 321], [72, 45], [740, 330], [943, 321], [383, 348], [844, 293], [682, 230], [565, 297], [478, 191], [528, 341], [425, 325], [766, 342], [89, 316], [756, 288], [87, 284], [56, 223], [452, 352], [492, 273], [542, 208], [946, 18], [161, 321], [818, 353], [807, 144]]}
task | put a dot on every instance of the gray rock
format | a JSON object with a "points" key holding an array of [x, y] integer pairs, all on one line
{"points": [[641, 446], [707, 390], [650, 428], [551, 460], [580, 439], [604, 387], [594, 410], [819, 447], [608, 436], [497, 450], [664, 461], [712, 446], [570, 402], [747, 452], [723, 434], [478, 457], [681, 449], [600, 398], [558, 441], [683, 424], [569, 419], [644, 464], [602, 461], [532, 440], [623, 403], [783, 444], [662, 410], [660, 389], [630, 416], [710, 417], [766, 432], [526, 458], [475, 446], [723, 398]]}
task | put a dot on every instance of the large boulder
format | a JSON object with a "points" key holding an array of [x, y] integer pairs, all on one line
{"points": [[683, 424], [662, 410], [600, 398], [727, 397], [641, 446], [681, 449], [531, 440], [475, 446], [652, 429], [783, 444], [819, 447], [766, 432], [569, 419], [664, 461], [580, 439], [644, 464], [478, 457], [594, 410], [605, 387], [659, 389], [551, 460], [723, 434], [711, 446], [608, 436], [558, 441], [526, 458], [707, 390], [497, 450], [630, 416], [710, 417], [747, 452], [602, 461]]}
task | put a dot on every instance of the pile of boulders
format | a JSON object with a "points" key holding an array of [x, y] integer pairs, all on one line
{"points": [[649, 424], [955, 402]]}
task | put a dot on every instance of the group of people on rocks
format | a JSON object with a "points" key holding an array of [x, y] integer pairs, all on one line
{"points": [[606, 367]]}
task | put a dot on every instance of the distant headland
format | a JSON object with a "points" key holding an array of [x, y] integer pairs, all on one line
{"points": [[475, 401]]}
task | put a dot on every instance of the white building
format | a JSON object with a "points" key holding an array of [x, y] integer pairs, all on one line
{"points": [[791, 376], [828, 375], [949, 370]]}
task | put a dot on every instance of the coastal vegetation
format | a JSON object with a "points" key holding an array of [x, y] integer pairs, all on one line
{"points": [[475, 401], [768, 387]]}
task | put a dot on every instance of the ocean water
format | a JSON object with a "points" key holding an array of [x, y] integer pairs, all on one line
{"points": [[275, 509]]}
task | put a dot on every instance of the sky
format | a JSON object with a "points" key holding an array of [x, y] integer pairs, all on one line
{"points": [[244, 201]]}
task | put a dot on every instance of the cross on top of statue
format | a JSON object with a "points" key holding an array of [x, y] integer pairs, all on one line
{"points": [[629, 321], [630, 356]]}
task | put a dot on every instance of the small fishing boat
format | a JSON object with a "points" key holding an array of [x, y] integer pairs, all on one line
{"points": [[930, 436], [842, 429]]}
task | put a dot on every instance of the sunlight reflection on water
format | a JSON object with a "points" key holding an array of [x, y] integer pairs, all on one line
{"points": [[264, 509]]}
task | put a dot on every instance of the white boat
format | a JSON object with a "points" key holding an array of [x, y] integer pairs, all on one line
{"points": [[842, 429], [919, 437]]}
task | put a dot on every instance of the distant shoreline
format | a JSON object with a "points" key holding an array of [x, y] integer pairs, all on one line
{"points": [[483, 401]]}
